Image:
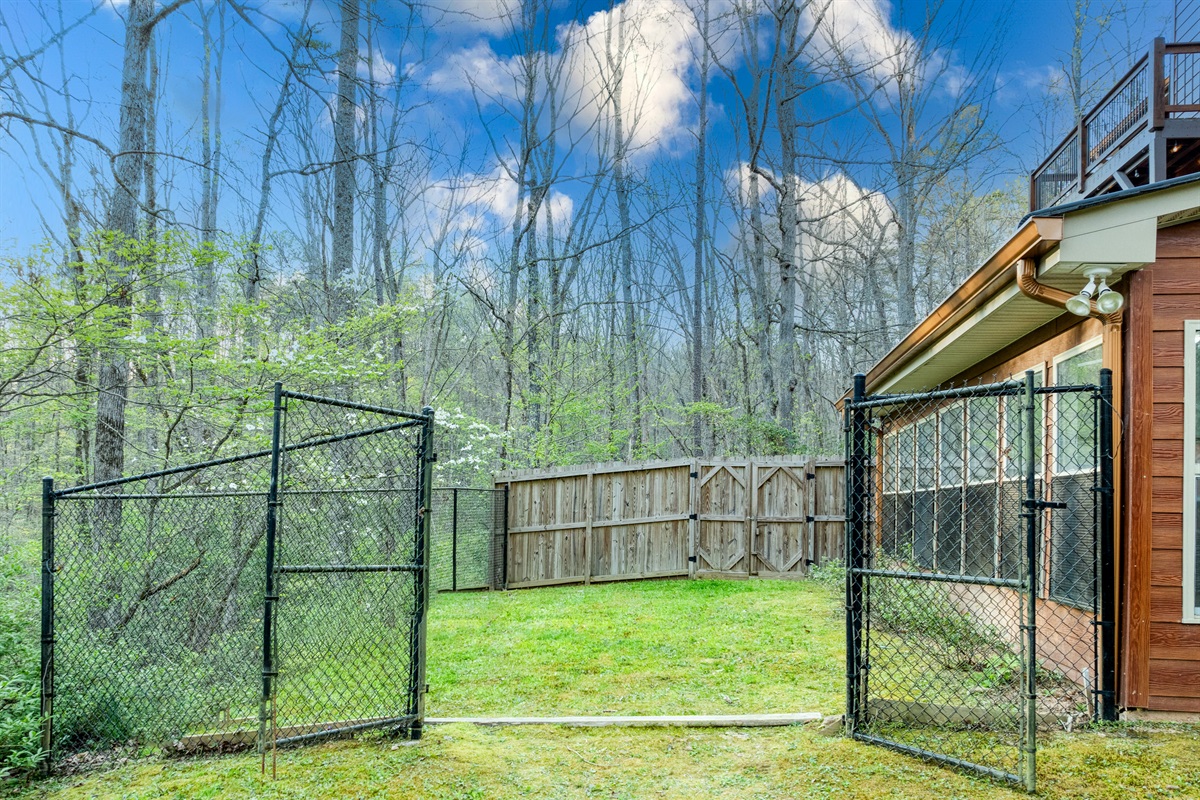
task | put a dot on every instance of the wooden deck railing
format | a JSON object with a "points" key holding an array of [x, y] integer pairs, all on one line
{"points": [[1164, 83]]}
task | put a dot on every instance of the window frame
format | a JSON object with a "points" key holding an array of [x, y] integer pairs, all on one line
{"points": [[1039, 447], [1191, 471]]}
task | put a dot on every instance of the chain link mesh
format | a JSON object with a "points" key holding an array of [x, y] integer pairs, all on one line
{"points": [[938, 591], [158, 603], [467, 548], [155, 628], [349, 571]]}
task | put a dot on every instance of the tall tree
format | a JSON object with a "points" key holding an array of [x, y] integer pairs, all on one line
{"points": [[341, 263]]}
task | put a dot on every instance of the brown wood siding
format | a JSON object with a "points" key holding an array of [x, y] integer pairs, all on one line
{"points": [[1136, 505], [1169, 651]]}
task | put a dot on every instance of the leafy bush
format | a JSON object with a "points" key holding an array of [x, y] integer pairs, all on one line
{"points": [[831, 573], [20, 714]]}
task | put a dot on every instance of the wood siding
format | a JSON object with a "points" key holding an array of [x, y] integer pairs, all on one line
{"points": [[734, 518], [1161, 657]]}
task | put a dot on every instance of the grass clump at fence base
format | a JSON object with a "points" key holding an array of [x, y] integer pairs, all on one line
{"points": [[650, 647]]}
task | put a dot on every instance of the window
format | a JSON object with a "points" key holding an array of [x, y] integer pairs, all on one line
{"points": [[1011, 523], [1075, 432], [980, 495], [1191, 470], [1073, 529], [923, 499], [950, 488]]}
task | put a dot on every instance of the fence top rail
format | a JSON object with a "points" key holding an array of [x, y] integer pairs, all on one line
{"points": [[333, 401], [1005, 389], [581, 470], [983, 390], [488, 489], [162, 473]]}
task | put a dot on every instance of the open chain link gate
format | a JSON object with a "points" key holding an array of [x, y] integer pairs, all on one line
{"points": [[258, 600], [979, 588]]}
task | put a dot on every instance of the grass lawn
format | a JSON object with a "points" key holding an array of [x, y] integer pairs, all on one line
{"points": [[652, 647]]}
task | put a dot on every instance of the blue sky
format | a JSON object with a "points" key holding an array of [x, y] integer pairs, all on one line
{"points": [[465, 48]]}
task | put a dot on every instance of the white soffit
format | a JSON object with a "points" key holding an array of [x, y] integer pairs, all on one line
{"points": [[997, 324]]}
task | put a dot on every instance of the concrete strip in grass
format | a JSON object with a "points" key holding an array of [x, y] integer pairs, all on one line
{"points": [[681, 721]]}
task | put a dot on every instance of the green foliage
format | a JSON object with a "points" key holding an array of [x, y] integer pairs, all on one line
{"points": [[20, 714], [831, 573]]}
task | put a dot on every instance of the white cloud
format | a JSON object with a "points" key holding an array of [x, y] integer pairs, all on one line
{"points": [[861, 34], [483, 16], [375, 66], [840, 217], [476, 66], [658, 54]]}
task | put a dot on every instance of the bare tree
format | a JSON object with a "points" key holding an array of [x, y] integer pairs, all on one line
{"points": [[344, 156], [927, 114]]}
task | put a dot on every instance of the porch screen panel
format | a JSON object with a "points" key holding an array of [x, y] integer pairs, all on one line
{"points": [[980, 495], [951, 474], [1072, 530]]}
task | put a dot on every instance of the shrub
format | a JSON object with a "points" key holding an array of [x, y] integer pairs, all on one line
{"points": [[20, 713]]}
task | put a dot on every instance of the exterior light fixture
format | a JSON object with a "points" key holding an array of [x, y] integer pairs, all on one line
{"points": [[1107, 300]]}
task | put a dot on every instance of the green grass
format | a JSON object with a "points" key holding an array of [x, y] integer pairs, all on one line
{"points": [[459, 762], [653, 647]]}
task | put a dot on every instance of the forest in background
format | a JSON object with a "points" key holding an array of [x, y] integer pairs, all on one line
{"points": [[662, 228]]}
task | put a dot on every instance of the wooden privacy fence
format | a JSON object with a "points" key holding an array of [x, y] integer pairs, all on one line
{"points": [[738, 517]]}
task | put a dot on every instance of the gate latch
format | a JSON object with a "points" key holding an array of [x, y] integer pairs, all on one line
{"points": [[1040, 504]]}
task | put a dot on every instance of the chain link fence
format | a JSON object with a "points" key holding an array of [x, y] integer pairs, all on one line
{"points": [[263, 599], [469, 539], [976, 582]]}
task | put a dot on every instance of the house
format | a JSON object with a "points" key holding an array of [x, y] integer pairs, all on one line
{"points": [[1012, 315]]}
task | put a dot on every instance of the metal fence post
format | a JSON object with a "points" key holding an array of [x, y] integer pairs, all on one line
{"points": [[1031, 512], [269, 596], [454, 540], [855, 550], [425, 460], [47, 668], [1108, 633]]}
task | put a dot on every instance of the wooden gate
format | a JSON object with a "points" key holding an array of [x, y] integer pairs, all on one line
{"points": [[723, 514], [772, 516], [781, 529]]}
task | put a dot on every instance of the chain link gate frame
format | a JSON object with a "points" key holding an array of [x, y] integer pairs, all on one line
{"points": [[978, 612], [198, 607]]}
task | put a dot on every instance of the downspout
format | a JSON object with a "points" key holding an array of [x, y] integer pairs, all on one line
{"points": [[1029, 285]]}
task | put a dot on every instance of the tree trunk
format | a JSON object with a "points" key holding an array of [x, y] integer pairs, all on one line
{"points": [[699, 244], [342, 250], [621, 183]]}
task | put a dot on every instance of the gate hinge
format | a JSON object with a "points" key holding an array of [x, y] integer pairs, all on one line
{"points": [[693, 516], [811, 476], [1040, 504], [810, 518], [692, 559], [693, 474]]}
